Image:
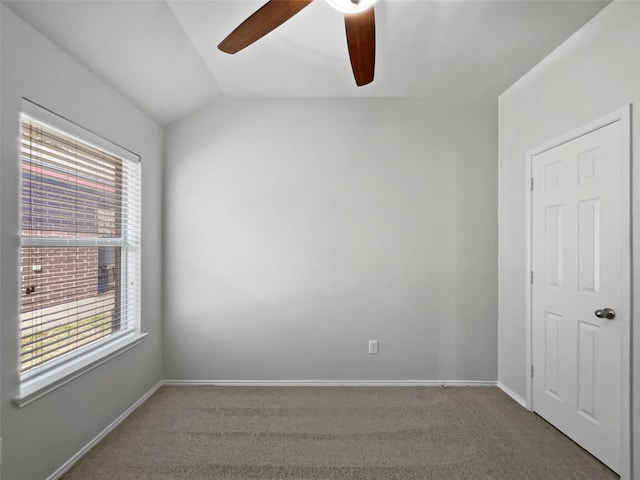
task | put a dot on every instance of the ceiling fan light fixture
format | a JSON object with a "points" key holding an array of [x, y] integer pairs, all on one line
{"points": [[359, 22], [351, 6]]}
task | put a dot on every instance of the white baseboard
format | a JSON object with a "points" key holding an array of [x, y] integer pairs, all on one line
{"points": [[330, 383], [83, 451], [512, 394]]}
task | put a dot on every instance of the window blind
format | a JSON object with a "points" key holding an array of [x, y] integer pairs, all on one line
{"points": [[80, 246]]}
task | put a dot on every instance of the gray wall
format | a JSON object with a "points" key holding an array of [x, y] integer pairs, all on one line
{"points": [[297, 230], [40, 437], [595, 72]]}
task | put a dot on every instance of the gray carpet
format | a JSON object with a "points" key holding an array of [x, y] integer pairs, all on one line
{"points": [[233, 433]]}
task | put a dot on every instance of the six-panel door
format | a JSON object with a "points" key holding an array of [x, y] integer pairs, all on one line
{"points": [[577, 265]]}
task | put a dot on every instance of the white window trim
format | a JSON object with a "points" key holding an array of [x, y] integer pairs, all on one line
{"points": [[75, 242], [52, 379], [36, 384], [54, 120]]}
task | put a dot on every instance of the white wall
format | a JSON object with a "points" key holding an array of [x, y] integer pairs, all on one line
{"points": [[40, 437], [592, 74], [297, 230]]}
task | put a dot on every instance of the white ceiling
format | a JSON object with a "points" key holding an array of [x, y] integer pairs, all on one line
{"points": [[163, 55]]}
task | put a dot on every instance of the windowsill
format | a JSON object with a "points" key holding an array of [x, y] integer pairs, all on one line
{"points": [[40, 385]]}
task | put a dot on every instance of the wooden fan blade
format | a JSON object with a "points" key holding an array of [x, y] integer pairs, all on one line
{"points": [[361, 39], [270, 16]]}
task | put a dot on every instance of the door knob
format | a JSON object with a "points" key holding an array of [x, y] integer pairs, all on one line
{"points": [[608, 313]]}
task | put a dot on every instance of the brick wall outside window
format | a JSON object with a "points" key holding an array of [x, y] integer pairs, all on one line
{"points": [[77, 266], [83, 271]]}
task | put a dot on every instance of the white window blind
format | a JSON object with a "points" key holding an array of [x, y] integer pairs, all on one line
{"points": [[80, 246]]}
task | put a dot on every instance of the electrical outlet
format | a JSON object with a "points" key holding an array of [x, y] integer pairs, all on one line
{"points": [[373, 347]]}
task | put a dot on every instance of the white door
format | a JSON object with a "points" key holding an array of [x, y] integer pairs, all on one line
{"points": [[577, 262]]}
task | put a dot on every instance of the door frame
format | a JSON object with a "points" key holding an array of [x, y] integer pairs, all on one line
{"points": [[622, 115]]}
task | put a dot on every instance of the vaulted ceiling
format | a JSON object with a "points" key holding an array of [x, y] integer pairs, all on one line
{"points": [[162, 55]]}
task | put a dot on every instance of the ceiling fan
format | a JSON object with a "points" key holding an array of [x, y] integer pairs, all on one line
{"points": [[359, 20]]}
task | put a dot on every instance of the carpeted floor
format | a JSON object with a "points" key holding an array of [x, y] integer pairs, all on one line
{"points": [[318, 433]]}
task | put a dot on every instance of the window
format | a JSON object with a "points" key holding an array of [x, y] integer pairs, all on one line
{"points": [[80, 243]]}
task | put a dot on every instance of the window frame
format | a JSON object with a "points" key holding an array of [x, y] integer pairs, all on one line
{"points": [[40, 380]]}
